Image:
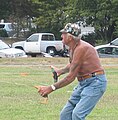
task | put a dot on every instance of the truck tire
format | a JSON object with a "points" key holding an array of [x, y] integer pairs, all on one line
{"points": [[51, 51], [33, 55]]}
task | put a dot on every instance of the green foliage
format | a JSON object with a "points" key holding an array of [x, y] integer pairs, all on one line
{"points": [[102, 14], [4, 13], [3, 33], [52, 15], [90, 38]]}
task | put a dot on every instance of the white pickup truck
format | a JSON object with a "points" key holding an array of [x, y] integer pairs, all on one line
{"points": [[40, 42]]}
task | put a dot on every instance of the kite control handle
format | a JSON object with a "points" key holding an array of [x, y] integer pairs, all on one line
{"points": [[39, 87], [45, 98], [54, 74]]}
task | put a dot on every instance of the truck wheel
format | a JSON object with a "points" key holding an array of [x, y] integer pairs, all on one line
{"points": [[51, 51], [33, 55]]}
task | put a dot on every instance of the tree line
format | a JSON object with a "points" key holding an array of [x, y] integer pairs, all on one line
{"points": [[52, 15]]}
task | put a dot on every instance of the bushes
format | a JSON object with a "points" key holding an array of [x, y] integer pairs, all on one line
{"points": [[90, 38], [3, 33]]}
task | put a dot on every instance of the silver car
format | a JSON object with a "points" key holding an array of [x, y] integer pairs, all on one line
{"points": [[7, 52], [105, 51], [114, 42]]}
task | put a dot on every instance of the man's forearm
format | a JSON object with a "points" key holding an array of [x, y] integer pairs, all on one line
{"points": [[65, 81], [64, 70], [73, 71]]}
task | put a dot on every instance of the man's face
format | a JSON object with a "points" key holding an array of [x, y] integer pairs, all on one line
{"points": [[65, 38]]}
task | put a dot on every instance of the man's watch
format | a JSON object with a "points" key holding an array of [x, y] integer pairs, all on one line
{"points": [[53, 87]]}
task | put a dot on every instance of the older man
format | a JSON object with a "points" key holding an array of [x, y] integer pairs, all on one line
{"points": [[86, 67]]}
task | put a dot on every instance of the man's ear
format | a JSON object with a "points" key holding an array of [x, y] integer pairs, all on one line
{"points": [[70, 37]]}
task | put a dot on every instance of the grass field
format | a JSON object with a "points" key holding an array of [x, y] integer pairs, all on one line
{"points": [[19, 100]]}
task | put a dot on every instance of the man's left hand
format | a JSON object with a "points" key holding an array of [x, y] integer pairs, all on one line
{"points": [[45, 90]]}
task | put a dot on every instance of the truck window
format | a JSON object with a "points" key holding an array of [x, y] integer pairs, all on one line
{"points": [[33, 38], [47, 38], [2, 26]]}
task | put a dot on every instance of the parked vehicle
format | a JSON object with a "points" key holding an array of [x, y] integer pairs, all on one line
{"points": [[9, 27], [40, 42], [114, 42], [7, 52], [105, 51]]}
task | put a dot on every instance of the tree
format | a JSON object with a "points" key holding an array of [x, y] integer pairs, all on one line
{"points": [[18, 11], [102, 14], [4, 13], [51, 15]]}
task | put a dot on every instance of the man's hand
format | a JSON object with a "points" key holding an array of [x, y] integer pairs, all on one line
{"points": [[56, 70], [55, 75], [44, 90]]}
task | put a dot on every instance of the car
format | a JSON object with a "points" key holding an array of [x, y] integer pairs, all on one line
{"points": [[105, 51], [9, 27], [114, 42], [7, 52]]}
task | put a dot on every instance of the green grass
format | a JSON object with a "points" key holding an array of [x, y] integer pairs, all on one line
{"points": [[19, 100]]}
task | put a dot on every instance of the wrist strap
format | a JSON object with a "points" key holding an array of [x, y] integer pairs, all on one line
{"points": [[53, 87]]}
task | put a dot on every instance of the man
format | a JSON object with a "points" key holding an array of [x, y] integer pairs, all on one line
{"points": [[86, 67]]}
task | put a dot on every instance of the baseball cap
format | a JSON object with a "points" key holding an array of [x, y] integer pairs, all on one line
{"points": [[71, 28]]}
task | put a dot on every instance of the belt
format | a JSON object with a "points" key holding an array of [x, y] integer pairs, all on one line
{"points": [[91, 75]]}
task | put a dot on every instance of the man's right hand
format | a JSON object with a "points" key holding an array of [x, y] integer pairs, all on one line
{"points": [[55, 74]]}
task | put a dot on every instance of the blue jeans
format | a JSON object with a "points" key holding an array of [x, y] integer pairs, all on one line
{"points": [[84, 98]]}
